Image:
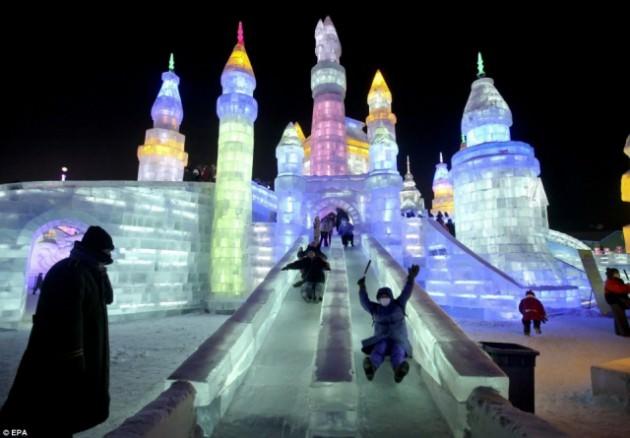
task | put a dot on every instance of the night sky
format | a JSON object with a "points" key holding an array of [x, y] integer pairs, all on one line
{"points": [[80, 91]]}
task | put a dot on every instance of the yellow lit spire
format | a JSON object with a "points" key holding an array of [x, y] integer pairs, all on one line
{"points": [[239, 59], [379, 86], [380, 100], [298, 128]]}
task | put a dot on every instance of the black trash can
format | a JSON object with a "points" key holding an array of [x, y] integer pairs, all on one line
{"points": [[518, 362]]}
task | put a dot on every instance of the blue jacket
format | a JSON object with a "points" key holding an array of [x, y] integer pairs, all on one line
{"points": [[389, 322]]}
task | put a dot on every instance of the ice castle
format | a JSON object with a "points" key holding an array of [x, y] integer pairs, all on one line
{"points": [[187, 245]]}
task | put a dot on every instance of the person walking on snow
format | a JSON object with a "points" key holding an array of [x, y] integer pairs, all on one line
{"points": [[390, 331], [327, 226], [532, 310]]}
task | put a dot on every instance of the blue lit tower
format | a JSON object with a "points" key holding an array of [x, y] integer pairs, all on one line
{"points": [[289, 188], [500, 202], [162, 156]]}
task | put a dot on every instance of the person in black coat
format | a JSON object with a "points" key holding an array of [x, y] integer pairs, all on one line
{"points": [[450, 226], [62, 383], [390, 330], [312, 267]]}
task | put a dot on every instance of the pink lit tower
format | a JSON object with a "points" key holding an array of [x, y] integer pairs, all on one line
{"points": [[329, 154]]}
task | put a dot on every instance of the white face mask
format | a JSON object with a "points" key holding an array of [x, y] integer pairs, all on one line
{"points": [[384, 301]]}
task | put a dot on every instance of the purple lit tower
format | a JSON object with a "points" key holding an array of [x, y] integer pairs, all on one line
{"points": [[329, 154]]}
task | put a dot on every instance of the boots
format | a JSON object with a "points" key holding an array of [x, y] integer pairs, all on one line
{"points": [[401, 372], [368, 368]]}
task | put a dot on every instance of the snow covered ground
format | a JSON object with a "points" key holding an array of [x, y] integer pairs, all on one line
{"points": [[570, 343], [143, 354]]}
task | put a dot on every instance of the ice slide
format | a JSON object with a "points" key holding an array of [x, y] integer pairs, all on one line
{"points": [[275, 398]]}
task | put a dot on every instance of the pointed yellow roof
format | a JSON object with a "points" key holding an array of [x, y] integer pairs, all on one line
{"points": [[301, 135], [239, 59], [379, 86]]}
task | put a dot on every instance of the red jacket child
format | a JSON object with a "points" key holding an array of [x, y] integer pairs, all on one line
{"points": [[531, 308]]}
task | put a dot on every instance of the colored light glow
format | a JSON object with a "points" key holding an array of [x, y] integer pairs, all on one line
{"points": [[383, 183], [625, 194], [381, 127], [232, 212], [327, 45], [298, 128], [172, 303], [162, 157], [379, 89], [238, 58], [161, 150], [443, 197], [487, 117], [500, 203], [328, 150], [329, 155], [488, 133], [381, 115], [410, 197], [106, 201], [383, 149], [290, 153], [380, 102], [361, 150], [171, 63], [358, 156], [625, 187], [480, 68]]}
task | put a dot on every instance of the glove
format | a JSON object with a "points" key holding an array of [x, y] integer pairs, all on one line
{"points": [[361, 282], [413, 271]]}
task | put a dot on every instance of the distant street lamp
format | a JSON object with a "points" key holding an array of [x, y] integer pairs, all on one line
{"points": [[64, 169]]}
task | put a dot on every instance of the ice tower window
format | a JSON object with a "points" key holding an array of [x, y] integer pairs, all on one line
{"points": [[487, 133]]}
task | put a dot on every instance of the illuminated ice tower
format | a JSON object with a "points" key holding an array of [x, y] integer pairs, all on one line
{"points": [[232, 214], [625, 194], [383, 183], [329, 154], [442, 190], [411, 202], [289, 188], [500, 202], [162, 157]]}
